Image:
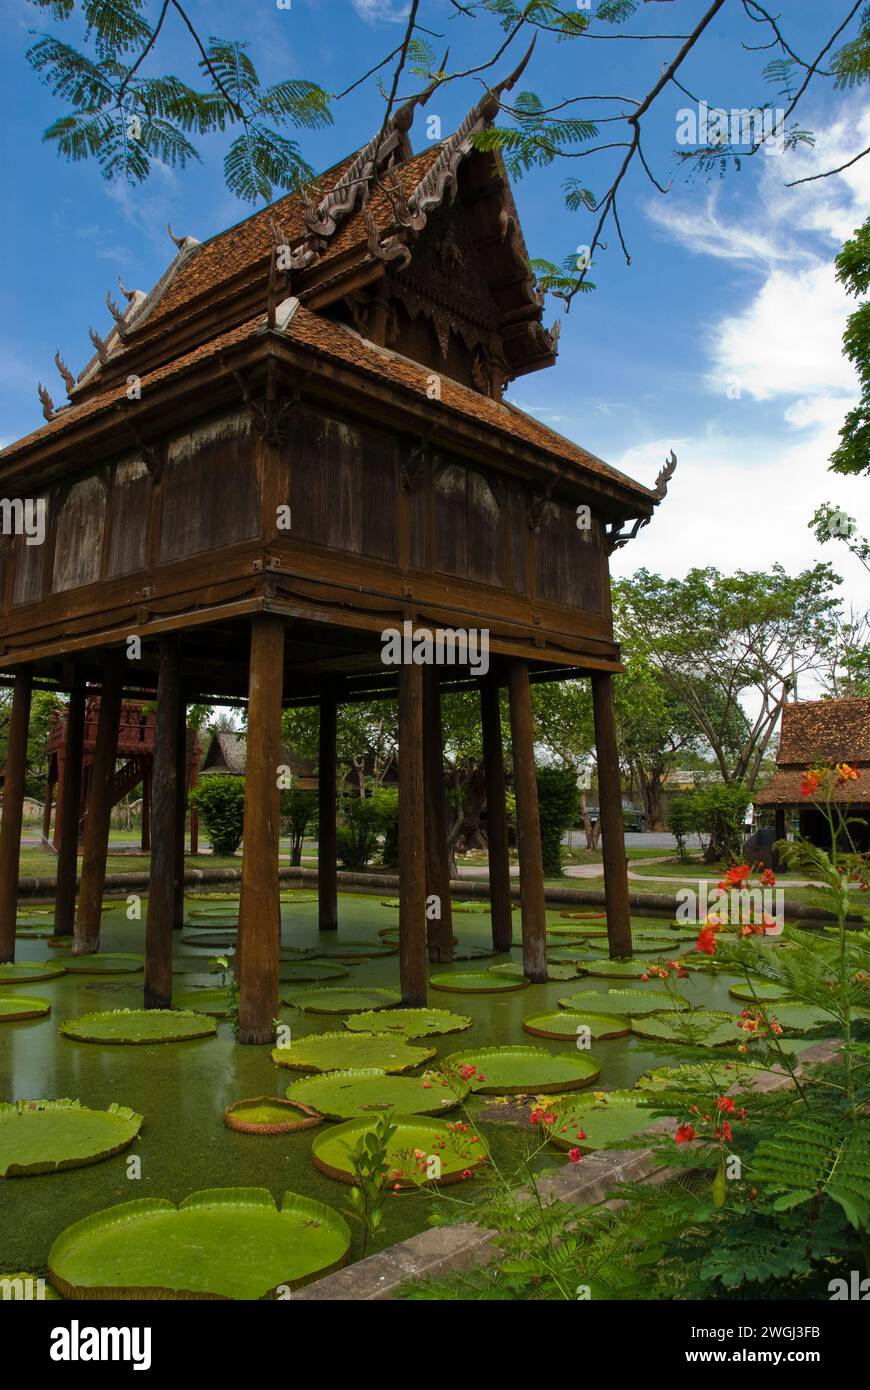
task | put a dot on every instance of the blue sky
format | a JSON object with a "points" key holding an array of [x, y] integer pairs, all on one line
{"points": [[721, 340]]}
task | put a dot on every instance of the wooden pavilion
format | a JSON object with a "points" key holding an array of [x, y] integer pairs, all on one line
{"points": [[821, 733], [296, 441]]}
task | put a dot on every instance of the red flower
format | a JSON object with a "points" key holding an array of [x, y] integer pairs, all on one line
{"points": [[575, 1155], [466, 1173], [706, 941], [767, 879], [725, 1103], [724, 1131], [845, 774], [581, 1134], [810, 783], [684, 1135], [737, 875], [467, 1072]]}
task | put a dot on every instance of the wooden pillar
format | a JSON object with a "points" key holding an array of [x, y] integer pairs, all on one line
{"points": [[145, 838], [779, 834], [181, 765], [610, 811], [59, 802], [69, 797], [260, 909], [161, 883], [440, 928], [194, 814], [534, 912], [46, 812], [99, 814], [413, 964], [496, 816], [327, 840], [13, 810]]}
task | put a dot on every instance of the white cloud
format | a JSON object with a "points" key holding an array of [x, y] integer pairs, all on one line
{"points": [[389, 10]]}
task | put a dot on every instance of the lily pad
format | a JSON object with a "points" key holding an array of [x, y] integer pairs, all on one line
{"points": [[799, 1018], [343, 1001], [566, 933], [461, 952], [628, 968], [343, 1095], [421, 1153], [710, 1077], [211, 897], [44, 1136], [215, 1002], [15, 1007], [602, 1121], [135, 1026], [359, 950], [358, 1051], [759, 989], [230, 1242], [308, 971], [26, 1288], [703, 1028], [24, 972], [270, 1115], [482, 983], [514, 970], [413, 1023], [103, 963], [33, 933], [521, 1070], [632, 1003], [565, 1026], [299, 896], [473, 905], [584, 916], [216, 941]]}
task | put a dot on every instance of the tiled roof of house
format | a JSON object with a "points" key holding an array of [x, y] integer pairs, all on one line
{"points": [[821, 733]]}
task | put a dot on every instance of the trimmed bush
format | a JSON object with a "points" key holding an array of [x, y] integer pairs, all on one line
{"points": [[220, 801]]}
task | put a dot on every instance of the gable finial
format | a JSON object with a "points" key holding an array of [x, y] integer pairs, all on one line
{"points": [[47, 402], [68, 378], [100, 344]]}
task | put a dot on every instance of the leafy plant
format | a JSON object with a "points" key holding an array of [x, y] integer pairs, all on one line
{"points": [[229, 983], [298, 809], [371, 1165], [559, 803], [221, 802]]}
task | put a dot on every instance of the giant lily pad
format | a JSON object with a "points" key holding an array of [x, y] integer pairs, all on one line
{"points": [[24, 972], [308, 971], [520, 1070], [138, 1026], [43, 1136], [103, 963], [759, 989], [26, 932], [413, 1023], [482, 983], [799, 1018], [358, 1051], [343, 1001], [708, 1077], [215, 1002], [359, 950], [343, 1095], [514, 970], [299, 896], [627, 969], [212, 940], [472, 905], [631, 1003], [602, 1121], [270, 1115], [461, 952], [584, 916], [702, 1028], [231, 1242], [565, 1026], [15, 1007], [421, 1153], [211, 897]]}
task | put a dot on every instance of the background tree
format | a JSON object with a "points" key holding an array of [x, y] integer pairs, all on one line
{"points": [[852, 454]]}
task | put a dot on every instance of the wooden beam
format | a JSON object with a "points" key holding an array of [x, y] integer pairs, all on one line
{"points": [[413, 963], [496, 816], [440, 927], [164, 847], [260, 908], [528, 826], [99, 813], [181, 766], [610, 811], [327, 839], [69, 801], [13, 811]]}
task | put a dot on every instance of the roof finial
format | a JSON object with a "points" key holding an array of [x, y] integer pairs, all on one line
{"points": [[179, 240], [69, 379], [129, 295], [113, 309], [490, 103], [403, 118], [47, 402], [665, 475], [100, 344]]}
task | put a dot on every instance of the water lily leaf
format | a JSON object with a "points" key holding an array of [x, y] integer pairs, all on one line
{"points": [[421, 1153], [270, 1115], [602, 1121], [476, 983], [759, 989], [342, 1095], [701, 1028], [231, 1242], [413, 1023], [357, 1051], [133, 1026], [521, 1070], [103, 963], [23, 972], [215, 1002], [629, 1002], [514, 969], [45, 1136], [15, 1007], [342, 1001], [564, 1025]]}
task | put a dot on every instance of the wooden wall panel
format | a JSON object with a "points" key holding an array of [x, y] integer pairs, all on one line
{"points": [[450, 494], [129, 508], [378, 483], [343, 487], [211, 496], [484, 531], [79, 529]]}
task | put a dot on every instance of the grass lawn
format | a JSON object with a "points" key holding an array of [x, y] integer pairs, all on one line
{"points": [[695, 867]]}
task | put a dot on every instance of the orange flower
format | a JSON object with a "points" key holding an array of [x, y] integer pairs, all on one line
{"points": [[810, 783], [845, 774]]}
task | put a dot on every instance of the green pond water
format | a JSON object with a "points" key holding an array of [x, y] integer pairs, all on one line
{"points": [[182, 1089]]}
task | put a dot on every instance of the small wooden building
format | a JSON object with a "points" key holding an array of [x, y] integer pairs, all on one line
{"points": [[821, 733], [226, 755], [294, 443]]}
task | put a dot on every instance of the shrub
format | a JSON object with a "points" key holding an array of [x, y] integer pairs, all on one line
{"points": [[559, 803], [220, 801], [298, 809], [358, 832], [721, 812], [682, 818], [387, 803]]}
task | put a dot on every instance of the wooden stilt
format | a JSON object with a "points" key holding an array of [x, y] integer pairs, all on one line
{"points": [[99, 815], [610, 811], [413, 965], [69, 797], [528, 826], [181, 766], [440, 927], [145, 838], [46, 813], [496, 816], [161, 886], [327, 861], [260, 908], [58, 801], [13, 810]]}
